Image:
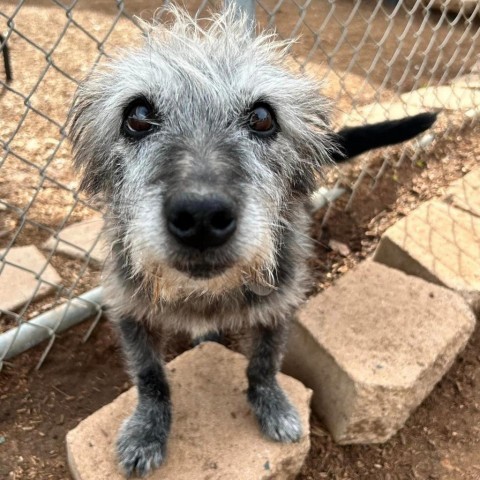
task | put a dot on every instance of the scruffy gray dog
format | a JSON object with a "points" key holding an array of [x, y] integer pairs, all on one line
{"points": [[205, 149]]}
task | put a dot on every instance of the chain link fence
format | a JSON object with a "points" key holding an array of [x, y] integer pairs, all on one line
{"points": [[378, 59]]}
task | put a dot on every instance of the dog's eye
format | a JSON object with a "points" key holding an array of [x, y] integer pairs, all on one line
{"points": [[261, 120], [139, 119]]}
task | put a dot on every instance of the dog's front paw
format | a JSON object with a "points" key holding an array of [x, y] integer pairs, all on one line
{"points": [[277, 417], [141, 447]]}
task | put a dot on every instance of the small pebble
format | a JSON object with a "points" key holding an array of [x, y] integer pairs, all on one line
{"points": [[339, 247]]}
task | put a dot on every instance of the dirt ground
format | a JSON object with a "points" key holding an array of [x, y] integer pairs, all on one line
{"points": [[440, 440], [37, 183]]}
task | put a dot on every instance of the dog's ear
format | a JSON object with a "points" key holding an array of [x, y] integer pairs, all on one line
{"points": [[90, 130], [315, 139], [304, 116], [314, 144]]}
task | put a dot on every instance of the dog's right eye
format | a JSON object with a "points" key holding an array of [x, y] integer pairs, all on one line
{"points": [[261, 120], [139, 119]]}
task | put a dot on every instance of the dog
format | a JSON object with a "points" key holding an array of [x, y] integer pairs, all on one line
{"points": [[206, 149]]}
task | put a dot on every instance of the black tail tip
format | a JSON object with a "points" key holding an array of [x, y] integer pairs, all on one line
{"points": [[423, 121]]}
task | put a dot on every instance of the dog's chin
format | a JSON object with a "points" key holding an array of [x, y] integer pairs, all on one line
{"points": [[201, 271]]}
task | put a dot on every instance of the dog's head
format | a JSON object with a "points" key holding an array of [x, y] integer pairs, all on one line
{"points": [[202, 143]]}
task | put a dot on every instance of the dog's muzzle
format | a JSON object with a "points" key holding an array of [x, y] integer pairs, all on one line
{"points": [[201, 221]]}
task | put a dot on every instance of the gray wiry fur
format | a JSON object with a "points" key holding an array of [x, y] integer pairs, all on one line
{"points": [[202, 83]]}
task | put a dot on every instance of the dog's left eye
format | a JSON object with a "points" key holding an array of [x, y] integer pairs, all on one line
{"points": [[139, 119], [261, 120]]}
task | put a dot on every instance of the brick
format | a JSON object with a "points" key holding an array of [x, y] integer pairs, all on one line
{"points": [[214, 435], [373, 346], [465, 193], [78, 239], [18, 279], [437, 242]]}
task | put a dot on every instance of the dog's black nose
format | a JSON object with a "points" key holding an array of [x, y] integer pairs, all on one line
{"points": [[201, 221]]}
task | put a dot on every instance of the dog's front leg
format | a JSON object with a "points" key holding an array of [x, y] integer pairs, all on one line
{"points": [[278, 419], [141, 444]]}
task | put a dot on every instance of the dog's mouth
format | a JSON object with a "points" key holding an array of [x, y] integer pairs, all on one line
{"points": [[202, 270]]}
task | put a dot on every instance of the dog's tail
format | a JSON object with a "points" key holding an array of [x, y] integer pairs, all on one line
{"points": [[352, 141], [6, 58]]}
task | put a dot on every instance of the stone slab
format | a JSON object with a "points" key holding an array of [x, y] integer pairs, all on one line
{"points": [[466, 6], [379, 112], [465, 193], [373, 346], [437, 242], [80, 240], [470, 80], [444, 97], [214, 434], [24, 277]]}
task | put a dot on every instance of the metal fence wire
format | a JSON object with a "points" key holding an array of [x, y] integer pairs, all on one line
{"points": [[379, 59]]}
